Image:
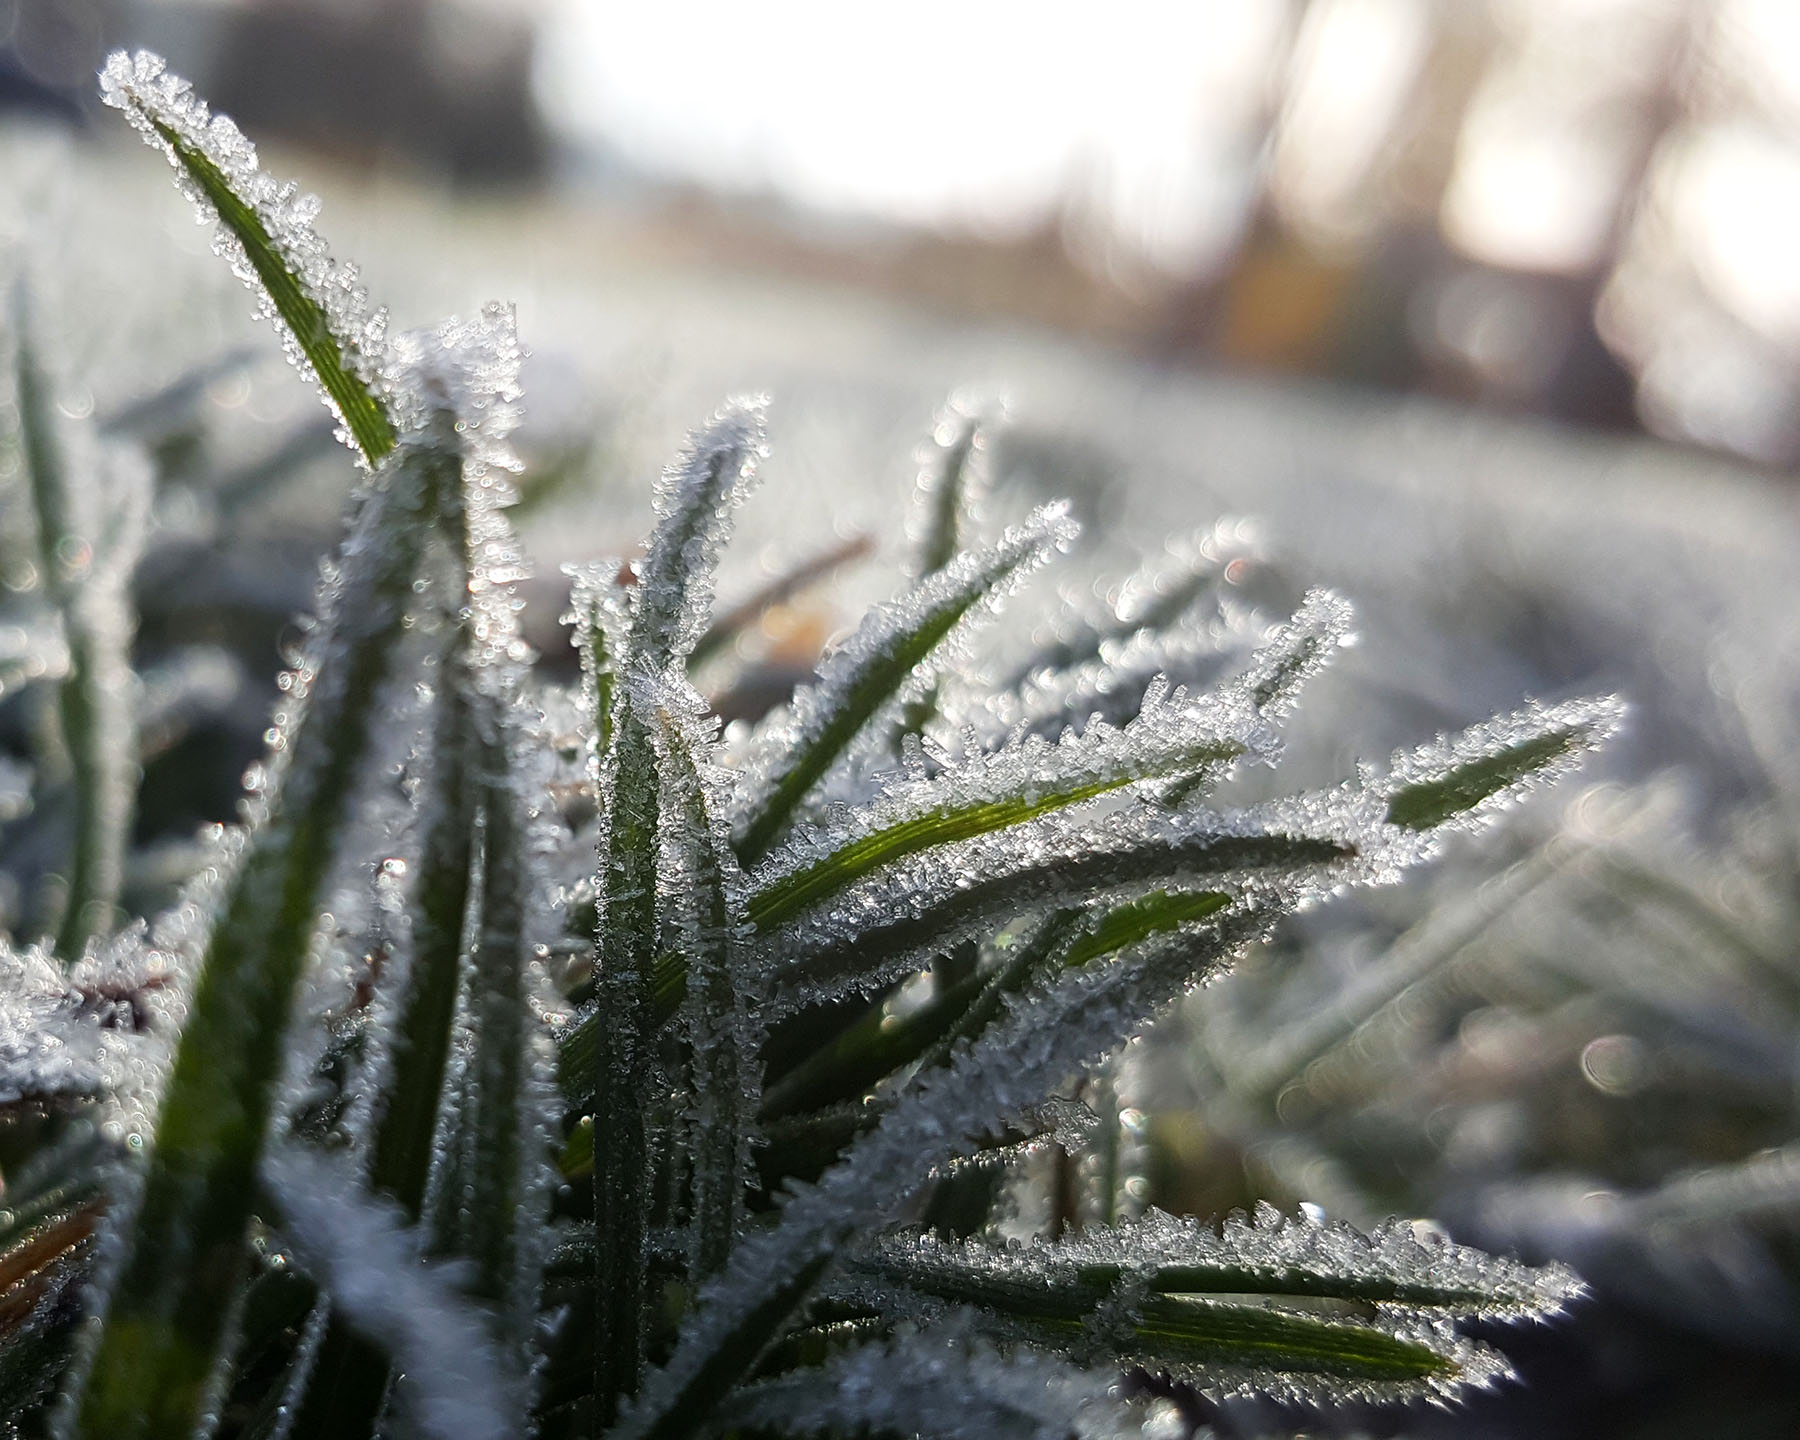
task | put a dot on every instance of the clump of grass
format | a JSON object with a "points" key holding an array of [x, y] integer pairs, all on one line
{"points": [[389, 1165]]}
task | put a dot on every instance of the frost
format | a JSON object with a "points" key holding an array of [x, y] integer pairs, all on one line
{"points": [[370, 1263], [699, 912], [1292, 850], [941, 1381], [93, 1031], [1460, 780], [1296, 651], [1171, 736], [1397, 1268]]}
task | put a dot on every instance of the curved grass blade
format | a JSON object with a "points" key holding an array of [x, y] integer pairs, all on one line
{"points": [[151, 1368], [891, 923], [877, 666], [1170, 737], [265, 231]]}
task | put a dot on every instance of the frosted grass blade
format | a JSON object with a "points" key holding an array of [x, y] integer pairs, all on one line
{"points": [[1463, 777], [700, 917], [151, 1367], [599, 618], [265, 231], [877, 667], [625, 954], [1170, 737], [1262, 1254], [694, 500], [946, 497], [891, 923], [85, 579], [1296, 651]]}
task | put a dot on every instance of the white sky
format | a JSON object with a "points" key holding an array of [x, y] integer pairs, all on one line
{"points": [[978, 111]]}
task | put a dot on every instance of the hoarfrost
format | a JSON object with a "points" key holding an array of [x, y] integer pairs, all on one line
{"points": [[1460, 780], [1398, 1268], [942, 1381], [1293, 850]]}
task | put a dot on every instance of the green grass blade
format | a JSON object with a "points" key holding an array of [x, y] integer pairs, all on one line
{"points": [[945, 496], [874, 668], [625, 955], [86, 586], [1494, 762], [713, 1009], [1033, 778], [151, 1368], [266, 232], [832, 954], [694, 502]]}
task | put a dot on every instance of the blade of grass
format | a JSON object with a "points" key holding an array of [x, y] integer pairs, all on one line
{"points": [[289, 269], [151, 1367], [94, 698]]}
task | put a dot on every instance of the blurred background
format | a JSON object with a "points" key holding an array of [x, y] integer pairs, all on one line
{"points": [[1581, 208], [1484, 311]]}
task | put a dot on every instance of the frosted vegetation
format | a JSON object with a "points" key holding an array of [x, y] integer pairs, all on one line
{"points": [[611, 1073]]}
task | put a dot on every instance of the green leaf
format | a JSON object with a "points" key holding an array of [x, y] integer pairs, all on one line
{"points": [[151, 1366], [169, 117], [1492, 761], [94, 711]]}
